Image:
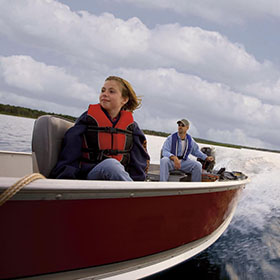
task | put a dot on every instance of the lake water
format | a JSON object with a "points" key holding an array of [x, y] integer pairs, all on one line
{"points": [[250, 247], [15, 133]]}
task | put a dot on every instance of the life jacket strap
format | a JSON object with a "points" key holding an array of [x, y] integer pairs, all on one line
{"points": [[102, 154], [109, 129], [107, 151]]}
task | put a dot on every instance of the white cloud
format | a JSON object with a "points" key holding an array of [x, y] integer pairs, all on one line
{"points": [[181, 71], [102, 43], [109, 40], [51, 25], [207, 54], [38, 104], [27, 77], [265, 90], [170, 95]]}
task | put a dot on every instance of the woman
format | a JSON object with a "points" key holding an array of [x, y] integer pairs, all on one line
{"points": [[105, 143]]}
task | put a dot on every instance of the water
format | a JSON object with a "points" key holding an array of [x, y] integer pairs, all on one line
{"points": [[16, 133], [250, 247]]}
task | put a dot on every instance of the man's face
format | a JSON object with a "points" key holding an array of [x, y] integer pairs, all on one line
{"points": [[182, 129]]}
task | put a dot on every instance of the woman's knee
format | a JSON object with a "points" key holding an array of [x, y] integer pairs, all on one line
{"points": [[112, 163]]}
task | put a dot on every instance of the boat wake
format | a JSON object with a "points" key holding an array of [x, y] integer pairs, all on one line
{"points": [[250, 248]]}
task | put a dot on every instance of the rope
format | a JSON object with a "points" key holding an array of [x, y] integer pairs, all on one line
{"points": [[12, 190]]}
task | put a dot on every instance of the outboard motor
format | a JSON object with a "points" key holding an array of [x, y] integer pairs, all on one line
{"points": [[207, 165]]}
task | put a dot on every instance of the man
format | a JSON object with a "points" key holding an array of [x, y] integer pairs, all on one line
{"points": [[176, 150]]}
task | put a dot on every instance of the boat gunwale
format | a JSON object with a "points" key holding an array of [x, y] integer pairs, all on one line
{"points": [[44, 189], [4, 152]]}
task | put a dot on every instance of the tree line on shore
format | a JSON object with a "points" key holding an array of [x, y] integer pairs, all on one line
{"points": [[27, 112], [18, 111]]}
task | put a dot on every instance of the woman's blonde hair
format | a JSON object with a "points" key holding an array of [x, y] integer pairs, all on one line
{"points": [[134, 102]]}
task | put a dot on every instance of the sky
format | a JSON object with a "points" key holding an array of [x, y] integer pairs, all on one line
{"points": [[215, 63]]}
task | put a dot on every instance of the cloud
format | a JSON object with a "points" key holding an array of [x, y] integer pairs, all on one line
{"points": [[16, 99], [170, 95], [207, 54], [223, 12], [267, 91], [181, 71], [109, 40], [26, 77], [53, 26], [102, 43]]}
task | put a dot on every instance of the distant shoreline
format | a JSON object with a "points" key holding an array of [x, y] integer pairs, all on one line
{"points": [[18, 111]]}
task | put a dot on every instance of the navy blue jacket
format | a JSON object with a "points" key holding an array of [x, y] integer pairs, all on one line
{"points": [[69, 163]]}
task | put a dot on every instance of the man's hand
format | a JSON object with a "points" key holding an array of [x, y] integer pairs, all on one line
{"points": [[210, 158], [177, 162]]}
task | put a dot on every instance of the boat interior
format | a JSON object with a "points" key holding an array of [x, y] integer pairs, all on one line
{"points": [[48, 133], [47, 139]]}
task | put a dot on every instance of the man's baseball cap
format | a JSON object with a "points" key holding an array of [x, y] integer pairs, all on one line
{"points": [[184, 122]]}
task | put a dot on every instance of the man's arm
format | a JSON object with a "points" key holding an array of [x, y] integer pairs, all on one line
{"points": [[197, 153], [166, 152], [166, 148]]}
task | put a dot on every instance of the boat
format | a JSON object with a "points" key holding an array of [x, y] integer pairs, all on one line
{"points": [[80, 229]]}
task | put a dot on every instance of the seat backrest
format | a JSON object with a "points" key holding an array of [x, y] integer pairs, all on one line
{"points": [[48, 133]]}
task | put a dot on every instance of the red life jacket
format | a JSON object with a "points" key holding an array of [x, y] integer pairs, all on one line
{"points": [[103, 140]]}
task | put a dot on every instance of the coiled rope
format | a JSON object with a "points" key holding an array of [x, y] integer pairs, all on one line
{"points": [[12, 190]]}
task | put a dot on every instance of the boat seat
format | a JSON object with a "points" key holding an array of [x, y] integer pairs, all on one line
{"points": [[174, 175], [179, 175], [48, 133]]}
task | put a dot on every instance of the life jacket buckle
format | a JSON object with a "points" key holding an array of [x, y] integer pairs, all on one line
{"points": [[111, 129]]}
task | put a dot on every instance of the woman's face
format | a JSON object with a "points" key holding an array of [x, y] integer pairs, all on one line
{"points": [[111, 98]]}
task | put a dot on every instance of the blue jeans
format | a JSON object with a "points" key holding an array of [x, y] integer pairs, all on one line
{"points": [[188, 165], [109, 169]]}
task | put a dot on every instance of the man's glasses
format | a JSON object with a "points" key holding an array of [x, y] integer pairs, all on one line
{"points": [[180, 124]]}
